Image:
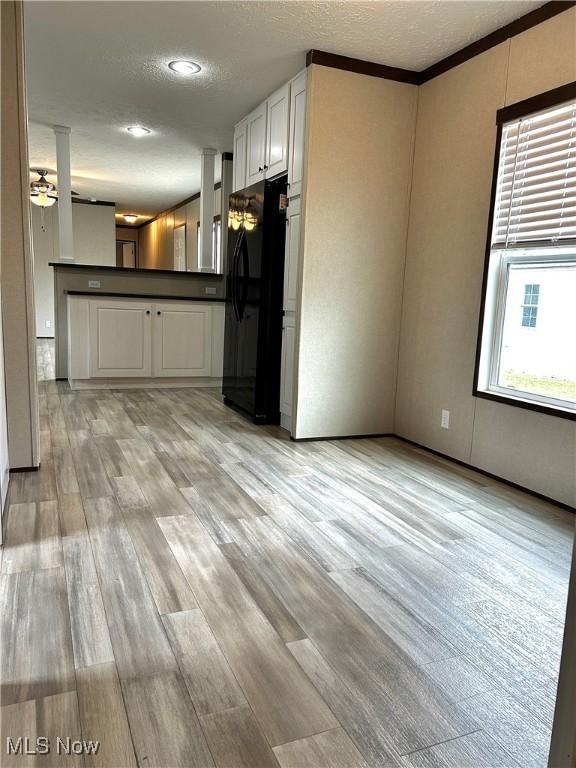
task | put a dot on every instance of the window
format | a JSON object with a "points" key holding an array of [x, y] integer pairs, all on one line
{"points": [[216, 237], [530, 306], [527, 340]]}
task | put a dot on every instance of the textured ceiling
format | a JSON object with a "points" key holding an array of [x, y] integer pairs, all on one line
{"points": [[100, 66]]}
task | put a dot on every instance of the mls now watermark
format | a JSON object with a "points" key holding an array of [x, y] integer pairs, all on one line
{"points": [[42, 745]]}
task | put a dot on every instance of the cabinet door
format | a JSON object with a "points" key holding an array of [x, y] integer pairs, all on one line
{"points": [[292, 256], [256, 145], [297, 133], [287, 370], [120, 341], [182, 339], [239, 161], [277, 132]]}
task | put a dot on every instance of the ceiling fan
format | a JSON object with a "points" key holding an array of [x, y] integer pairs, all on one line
{"points": [[42, 191]]}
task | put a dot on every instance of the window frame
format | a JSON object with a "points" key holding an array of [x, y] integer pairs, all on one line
{"points": [[494, 281]]}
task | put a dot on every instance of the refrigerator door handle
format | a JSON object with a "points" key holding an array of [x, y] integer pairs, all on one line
{"points": [[234, 278], [243, 253]]}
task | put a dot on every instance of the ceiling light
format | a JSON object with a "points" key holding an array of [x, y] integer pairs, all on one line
{"points": [[130, 218], [185, 67], [138, 130]]}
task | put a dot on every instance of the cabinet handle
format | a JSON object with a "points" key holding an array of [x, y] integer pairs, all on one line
{"points": [[260, 169], [147, 311], [158, 313], [265, 167]]}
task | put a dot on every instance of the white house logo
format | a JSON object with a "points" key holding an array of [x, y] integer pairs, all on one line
{"points": [[42, 745]]}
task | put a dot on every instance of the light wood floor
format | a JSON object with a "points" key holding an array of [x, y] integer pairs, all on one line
{"points": [[192, 590]]}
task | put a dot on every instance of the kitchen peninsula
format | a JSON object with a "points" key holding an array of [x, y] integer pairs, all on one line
{"points": [[122, 327]]}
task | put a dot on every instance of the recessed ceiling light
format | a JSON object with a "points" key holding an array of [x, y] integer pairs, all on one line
{"points": [[185, 67], [130, 218], [138, 130]]}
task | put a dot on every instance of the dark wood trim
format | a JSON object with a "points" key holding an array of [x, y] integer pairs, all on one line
{"points": [[195, 196], [149, 296], [16, 470], [487, 252], [516, 27], [531, 19], [362, 67], [537, 103], [518, 402], [85, 201], [514, 111], [484, 472], [375, 436]]}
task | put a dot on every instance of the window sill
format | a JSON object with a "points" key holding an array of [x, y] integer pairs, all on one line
{"points": [[530, 405]]}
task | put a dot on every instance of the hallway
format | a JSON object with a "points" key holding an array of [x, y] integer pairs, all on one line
{"points": [[192, 590]]}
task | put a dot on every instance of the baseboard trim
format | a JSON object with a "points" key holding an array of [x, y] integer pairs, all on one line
{"points": [[484, 472], [342, 437], [445, 456], [144, 383], [16, 470]]}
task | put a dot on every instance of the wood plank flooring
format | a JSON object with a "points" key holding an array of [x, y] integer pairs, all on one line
{"points": [[192, 590]]}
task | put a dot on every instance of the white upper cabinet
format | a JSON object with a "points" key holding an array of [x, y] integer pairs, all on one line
{"points": [[270, 141], [256, 145], [239, 161], [297, 133], [277, 132]]}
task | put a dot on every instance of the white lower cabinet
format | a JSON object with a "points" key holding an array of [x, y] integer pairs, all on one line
{"points": [[128, 338], [120, 340], [182, 340], [287, 371]]}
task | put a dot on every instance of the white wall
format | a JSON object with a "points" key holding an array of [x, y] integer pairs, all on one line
{"points": [[94, 229], [453, 164], [356, 195]]}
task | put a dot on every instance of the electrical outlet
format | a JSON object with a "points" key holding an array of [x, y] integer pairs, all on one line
{"points": [[210, 291], [445, 419], [93, 283], [48, 323]]}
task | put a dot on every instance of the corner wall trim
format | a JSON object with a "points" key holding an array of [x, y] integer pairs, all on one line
{"points": [[529, 20], [516, 27], [361, 67]]}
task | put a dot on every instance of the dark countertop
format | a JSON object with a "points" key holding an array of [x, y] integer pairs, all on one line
{"points": [[109, 268], [149, 296]]}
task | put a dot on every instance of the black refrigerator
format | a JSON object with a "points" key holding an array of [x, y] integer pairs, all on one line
{"points": [[254, 295]]}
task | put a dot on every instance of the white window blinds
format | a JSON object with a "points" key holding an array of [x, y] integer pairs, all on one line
{"points": [[536, 188]]}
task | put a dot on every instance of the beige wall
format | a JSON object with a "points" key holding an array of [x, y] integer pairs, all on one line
{"points": [[157, 238], [127, 233], [16, 255], [94, 243], [455, 141], [359, 156]]}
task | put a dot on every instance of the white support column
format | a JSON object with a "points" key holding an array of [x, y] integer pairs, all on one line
{"points": [[64, 187], [207, 263]]}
